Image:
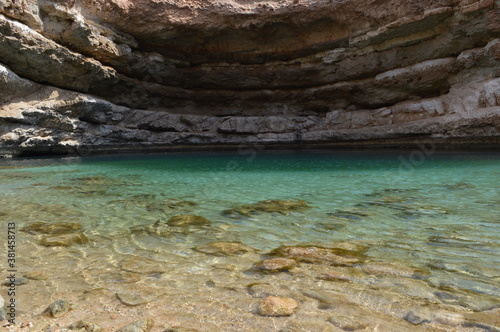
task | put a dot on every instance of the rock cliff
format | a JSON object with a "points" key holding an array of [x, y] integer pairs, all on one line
{"points": [[93, 76]]}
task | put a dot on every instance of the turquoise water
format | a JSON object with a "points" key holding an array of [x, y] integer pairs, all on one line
{"points": [[439, 214]]}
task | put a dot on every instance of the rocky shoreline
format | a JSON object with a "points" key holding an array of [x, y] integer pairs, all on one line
{"points": [[74, 79]]}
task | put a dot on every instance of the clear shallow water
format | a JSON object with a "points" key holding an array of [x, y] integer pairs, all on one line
{"points": [[440, 217]]}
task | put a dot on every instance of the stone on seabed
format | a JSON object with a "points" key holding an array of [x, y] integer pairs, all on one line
{"points": [[277, 306], [86, 326], [224, 248], [276, 264], [143, 325], [187, 220], [58, 308], [64, 240], [449, 318]]}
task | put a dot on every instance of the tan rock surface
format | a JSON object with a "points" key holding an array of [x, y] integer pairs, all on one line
{"points": [[115, 75]]}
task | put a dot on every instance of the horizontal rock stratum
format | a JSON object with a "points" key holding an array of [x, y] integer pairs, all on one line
{"points": [[82, 76]]}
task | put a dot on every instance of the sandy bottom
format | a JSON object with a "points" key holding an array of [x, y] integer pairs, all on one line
{"points": [[179, 286]]}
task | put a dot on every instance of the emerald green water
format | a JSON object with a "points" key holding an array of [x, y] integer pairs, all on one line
{"points": [[440, 216]]}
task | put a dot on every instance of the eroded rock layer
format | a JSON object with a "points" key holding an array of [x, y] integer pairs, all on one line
{"points": [[120, 75]]}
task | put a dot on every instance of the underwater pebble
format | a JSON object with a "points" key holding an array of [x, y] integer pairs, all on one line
{"points": [[52, 229], [132, 299], [2, 301], [449, 318], [264, 290], [187, 220], [277, 306], [19, 281], [334, 276], [269, 206], [224, 248], [64, 240], [347, 324], [317, 255], [3, 314], [180, 329], [418, 316], [58, 308], [85, 326], [276, 264], [142, 265], [143, 325], [36, 275], [293, 328]]}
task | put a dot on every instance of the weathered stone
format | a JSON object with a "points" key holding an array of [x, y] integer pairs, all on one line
{"points": [[133, 299], [348, 323], [262, 290], [419, 316], [142, 265], [276, 264], [321, 255], [143, 325], [86, 326], [64, 240], [57, 308], [358, 73], [277, 306], [18, 281], [449, 318], [272, 205], [180, 329], [53, 229], [187, 220], [36, 275], [224, 248]]}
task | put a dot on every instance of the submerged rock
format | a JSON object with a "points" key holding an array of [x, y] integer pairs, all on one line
{"points": [[277, 306], [92, 180], [348, 323], [349, 215], [64, 240], [133, 299], [171, 204], [180, 329], [53, 229], [36, 275], [459, 186], [85, 326], [143, 325], [57, 309], [142, 265], [119, 277], [224, 248], [271, 205], [18, 281], [320, 255], [449, 318], [335, 276], [419, 316], [187, 220], [276, 264], [392, 269], [158, 228]]}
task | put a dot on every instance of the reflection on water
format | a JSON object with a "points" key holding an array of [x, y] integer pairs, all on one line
{"points": [[198, 240]]}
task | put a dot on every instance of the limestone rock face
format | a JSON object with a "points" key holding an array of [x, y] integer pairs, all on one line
{"points": [[82, 76]]}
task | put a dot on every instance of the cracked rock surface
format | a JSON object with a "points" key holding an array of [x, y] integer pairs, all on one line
{"points": [[81, 76]]}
